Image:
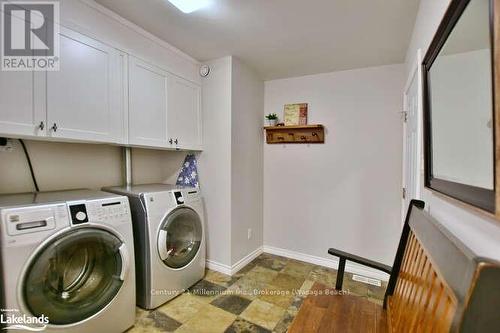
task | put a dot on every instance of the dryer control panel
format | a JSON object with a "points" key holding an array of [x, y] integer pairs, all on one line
{"points": [[186, 196], [192, 194], [179, 199]]}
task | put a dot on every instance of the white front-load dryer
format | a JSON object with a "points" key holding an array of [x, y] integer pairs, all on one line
{"points": [[169, 239], [67, 262]]}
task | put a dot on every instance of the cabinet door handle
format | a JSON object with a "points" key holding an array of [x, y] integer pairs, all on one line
{"points": [[176, 141], [170, 141], [54, 127], [41, 126]]}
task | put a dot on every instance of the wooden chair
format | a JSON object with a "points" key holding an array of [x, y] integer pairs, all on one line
{"points": [[437, 284]]}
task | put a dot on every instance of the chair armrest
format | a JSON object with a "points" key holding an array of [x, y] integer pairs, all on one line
{"points": [[360, 260], [343, 256]]}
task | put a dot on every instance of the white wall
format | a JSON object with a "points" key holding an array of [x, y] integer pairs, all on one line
{"points": [[61, 166], [246, 160], [231, 162], [429, 16], [479, 232], [345, 193], [215, 160]]}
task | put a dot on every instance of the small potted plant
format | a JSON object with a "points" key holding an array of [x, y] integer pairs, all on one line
{"points": [[272, 119]]}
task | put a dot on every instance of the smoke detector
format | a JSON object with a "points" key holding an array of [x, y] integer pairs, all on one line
{"points": [[204, 70]]}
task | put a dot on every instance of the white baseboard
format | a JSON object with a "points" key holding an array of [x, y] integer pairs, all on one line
{"points": [[231, 270], [218, 267], [246, 260], [330, 263]]}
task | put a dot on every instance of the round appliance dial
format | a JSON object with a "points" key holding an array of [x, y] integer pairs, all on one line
{"points": [[81, 216]]}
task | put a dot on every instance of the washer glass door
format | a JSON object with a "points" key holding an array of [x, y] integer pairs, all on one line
{"points": [[74, 276], [179, 238]]}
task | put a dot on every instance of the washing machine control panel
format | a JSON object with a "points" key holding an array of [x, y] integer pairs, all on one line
{"points": [[104, 211], [78, 213]]}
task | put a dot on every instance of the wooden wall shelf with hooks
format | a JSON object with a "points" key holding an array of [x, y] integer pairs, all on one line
{"points": [[295, 134]]}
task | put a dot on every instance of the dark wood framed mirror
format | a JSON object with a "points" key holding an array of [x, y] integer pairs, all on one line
{"points": [[460, 76]]}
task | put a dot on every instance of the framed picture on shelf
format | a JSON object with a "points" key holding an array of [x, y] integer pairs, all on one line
{"points": [[295, 114]]}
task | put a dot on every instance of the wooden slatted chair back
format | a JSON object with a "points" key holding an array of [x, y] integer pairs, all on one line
{"points": [[439, 284]]}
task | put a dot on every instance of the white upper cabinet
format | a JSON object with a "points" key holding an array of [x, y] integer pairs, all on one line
{"points": [[164, 109], [147, 104], [184, 113], [19, 114], [83, 98], [101, 94]]}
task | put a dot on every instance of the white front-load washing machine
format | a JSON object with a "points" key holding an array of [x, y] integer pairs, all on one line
{"points": [[169, 237], [67, 262]]}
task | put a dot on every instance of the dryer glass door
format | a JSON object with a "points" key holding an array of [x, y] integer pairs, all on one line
{"points": [[74, 276], [179, 238]]}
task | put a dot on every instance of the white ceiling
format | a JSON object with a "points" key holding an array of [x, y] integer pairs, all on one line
{"points": [[283, 38]]}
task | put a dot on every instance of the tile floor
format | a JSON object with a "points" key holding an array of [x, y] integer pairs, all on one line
{"points": [[263, 297]]}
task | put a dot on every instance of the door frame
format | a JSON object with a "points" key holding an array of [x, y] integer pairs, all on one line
{"points": [[415, 73]]}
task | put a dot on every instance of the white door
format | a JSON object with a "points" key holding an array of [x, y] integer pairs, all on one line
{"points": [[21, 114], [82, 102], [412, 137], [184, 113], [147, 104]]}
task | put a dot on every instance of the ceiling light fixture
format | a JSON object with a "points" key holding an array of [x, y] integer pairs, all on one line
{"points": [[189, 6]]}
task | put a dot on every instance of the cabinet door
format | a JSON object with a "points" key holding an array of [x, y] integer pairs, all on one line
{"points": [[21, 110], [184, 113], [147, 104], [82, 102], [121, 90]]}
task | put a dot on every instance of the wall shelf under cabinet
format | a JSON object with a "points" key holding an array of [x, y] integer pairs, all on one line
{"points": [[295, 134]]}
